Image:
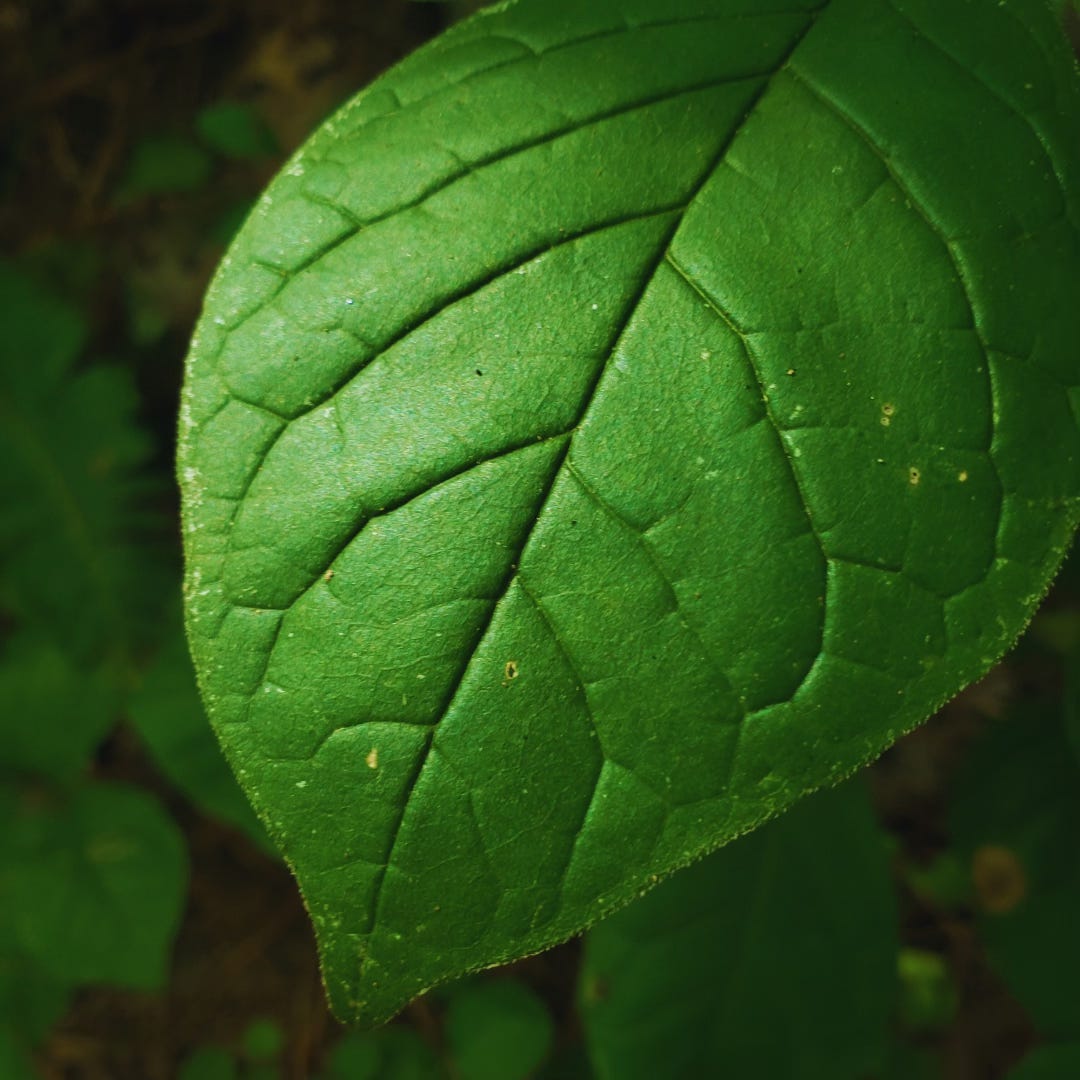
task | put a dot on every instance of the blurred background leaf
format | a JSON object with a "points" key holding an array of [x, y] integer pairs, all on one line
{"points": [[1016, 821], [78, 565], [92, 882], [1049, 1063], [775, 956], [496, 1030], [236, 130], [164, 164], [167, 712], [393, 1053], [56, 711]]}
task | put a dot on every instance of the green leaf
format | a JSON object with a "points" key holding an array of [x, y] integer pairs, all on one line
{"points": [[164, 165], [927, 995], [774, 957], [907, 1062], [613, 425], [263, 1040], [569, 1062], [93, 885], [31, 1002], [497, 1029], [75, 564], [1049, 1063], [55, 713], [71, 487], [235, 130], [166, 710], [43, 336], [79, 572], [209, 1063], [395, 1053], [15, 1063], [1015, 819]]}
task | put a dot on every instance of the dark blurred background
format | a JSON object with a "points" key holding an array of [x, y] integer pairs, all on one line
{"points": [[111, 170]]}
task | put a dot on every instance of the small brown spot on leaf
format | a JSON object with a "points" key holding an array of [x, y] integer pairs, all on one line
{"points": [[511, 671], [372, 760]]}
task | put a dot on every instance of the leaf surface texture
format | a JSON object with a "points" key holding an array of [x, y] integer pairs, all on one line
{"points": [[614, 424]]}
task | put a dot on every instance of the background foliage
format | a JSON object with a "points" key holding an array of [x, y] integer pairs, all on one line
{"points": [[916, 923]]}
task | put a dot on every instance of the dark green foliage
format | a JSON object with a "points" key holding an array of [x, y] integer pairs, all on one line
{"points": [[391, 1054], [93, 880], [1016, 820], [788, 936], [235, 130], [72, 485], [209, 1063], [166, 710], [1049, 1063], [497, 1030], [163, 165], [775, 957], [92, 875]]}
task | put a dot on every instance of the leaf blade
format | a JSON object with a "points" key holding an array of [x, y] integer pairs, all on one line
{"points": [[451, 760]]}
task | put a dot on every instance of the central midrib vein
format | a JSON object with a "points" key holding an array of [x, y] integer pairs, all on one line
{"points": [[590, 395]]}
